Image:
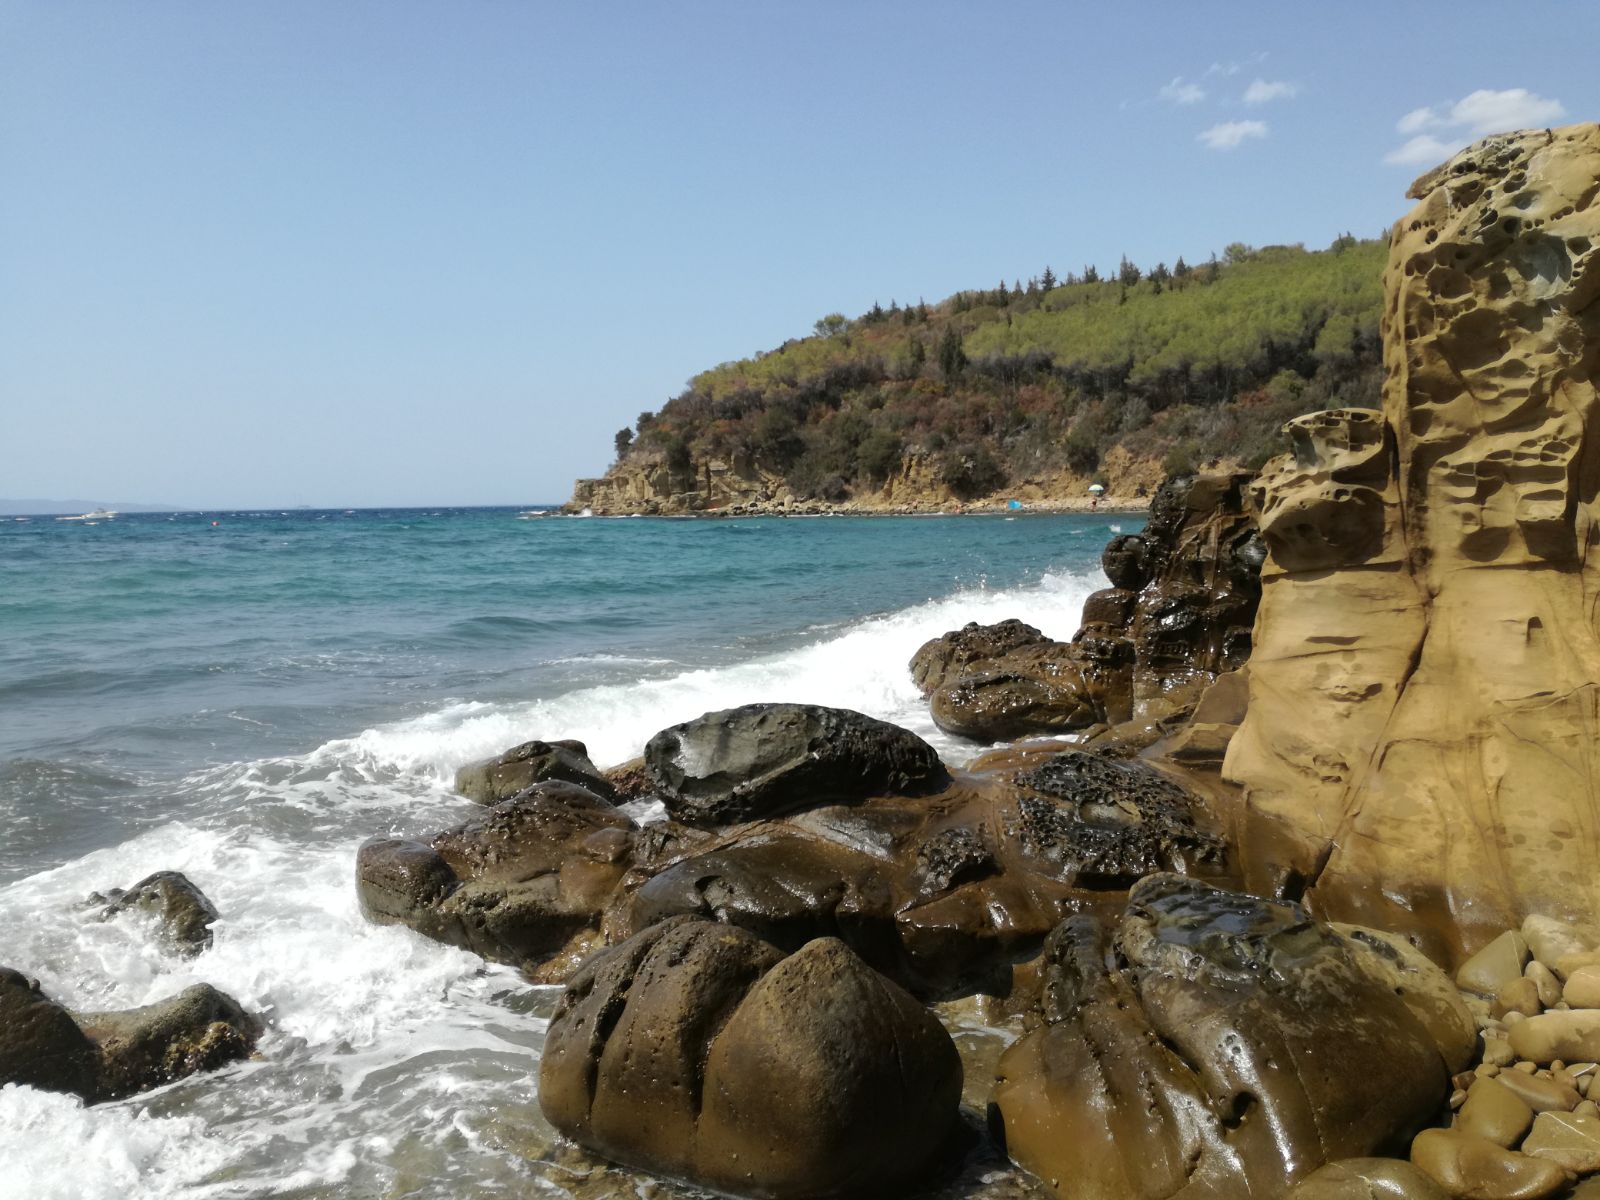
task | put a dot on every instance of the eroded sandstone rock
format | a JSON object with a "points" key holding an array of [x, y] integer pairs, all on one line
{"points": [[1425, 687], [765, 760], [699, 1052], [1210, 1045]]}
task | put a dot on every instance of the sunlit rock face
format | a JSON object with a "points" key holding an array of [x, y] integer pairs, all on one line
{"points": [[1421, 746]]}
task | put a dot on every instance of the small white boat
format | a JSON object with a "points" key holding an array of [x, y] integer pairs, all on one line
{"points": [[99, 514]]}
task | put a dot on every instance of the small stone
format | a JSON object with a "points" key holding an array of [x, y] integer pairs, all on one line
{"points": [[1568, 964], [1496, 965], [1571, 1140], [1527, 1068], [1583, 988], [1549, 940], [1587, 1109], [1521, 995], [1541, 1095], [1464, 1079], [1497, 1052], [1488, 1070], [1457, 1098], [1552, 1035], [1468, 1166], [1511, 1018], [1494, 1112], [1544, 982]]}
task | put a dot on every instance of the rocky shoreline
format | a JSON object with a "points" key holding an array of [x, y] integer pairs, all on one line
{"points": [[1278, 884]]}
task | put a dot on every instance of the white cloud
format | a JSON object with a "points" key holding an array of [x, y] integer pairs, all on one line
{"points": [[1417, 120], [1180, 92], [1474, 116], [1486, 112], [1230, 134], [1423, 151], [1262, 92]]}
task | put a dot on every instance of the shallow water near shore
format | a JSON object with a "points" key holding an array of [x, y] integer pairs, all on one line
{"points": [[247, 701]]}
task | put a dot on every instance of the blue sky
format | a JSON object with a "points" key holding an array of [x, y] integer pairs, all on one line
{"points": [[349, 254]]}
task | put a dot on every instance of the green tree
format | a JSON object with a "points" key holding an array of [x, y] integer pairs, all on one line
{"points": [[1127, 274], [1047, 280], [952, 357], [832, 325], [623, 441]]}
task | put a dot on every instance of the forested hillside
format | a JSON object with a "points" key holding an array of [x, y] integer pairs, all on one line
{"points": [[1177, 365]]}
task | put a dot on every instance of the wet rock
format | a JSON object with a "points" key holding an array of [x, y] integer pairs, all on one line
{"points": [[525, 882], [200, 1029], [1496, 965], [1495, 1112], [1179, 613], [1550, 940], [1367, 1179], [1209, 1044], [1475, 1169], [1571, 1036], [40, 1044], [1539, 1093], [944, 658], [180, 909], [699, 1052], [1570, 1140], [520, 767], [1582, 988], [765, 760], [1107, 822], [1426, 990]]}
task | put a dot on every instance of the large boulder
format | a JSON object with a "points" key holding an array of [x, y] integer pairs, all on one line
{"points": [[1210, 1045], [522, 766], [1178, 614], [109, 1055], [526, 882], [765, 760], [1425, 689], [943, 894], [199, 1029], [40, 1044], [181, 910], [699, 1052]]}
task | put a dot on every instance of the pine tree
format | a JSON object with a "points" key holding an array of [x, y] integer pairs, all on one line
{"points": [[1048, 279]]}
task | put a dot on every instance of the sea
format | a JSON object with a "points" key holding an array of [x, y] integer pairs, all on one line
{"points": [[247, 696]]}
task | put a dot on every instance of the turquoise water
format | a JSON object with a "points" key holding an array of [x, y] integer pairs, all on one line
{"points": [[247, 696]]}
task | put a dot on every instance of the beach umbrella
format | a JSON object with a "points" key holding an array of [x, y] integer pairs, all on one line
{"points": [[1097, 488], [1013, 504]]}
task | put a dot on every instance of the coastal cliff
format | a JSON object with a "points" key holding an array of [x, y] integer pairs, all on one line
{"points": [[1028, 392]]}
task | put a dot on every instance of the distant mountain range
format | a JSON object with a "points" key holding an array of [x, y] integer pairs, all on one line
{"points": [[29, 507]]}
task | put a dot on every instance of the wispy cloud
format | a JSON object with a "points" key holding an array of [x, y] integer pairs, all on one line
{"points": [[1230, 134], [1438, 131], [1179, 91], [1226, 69], [1261, 91]]}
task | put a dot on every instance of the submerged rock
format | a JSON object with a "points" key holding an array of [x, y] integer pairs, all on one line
{"points": [[1210, 1045], [200, 1029], [765, 760], [181, 910], [108, 1055], [40, 1044], [520, 767], [701, 1053]]}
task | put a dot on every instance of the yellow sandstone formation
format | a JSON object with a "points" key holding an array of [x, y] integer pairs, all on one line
{"points": [[1422, 746]]}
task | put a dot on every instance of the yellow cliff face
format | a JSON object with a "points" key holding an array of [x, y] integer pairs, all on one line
{"points": [[1422, 748]]}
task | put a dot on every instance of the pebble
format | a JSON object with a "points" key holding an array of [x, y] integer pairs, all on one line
{"points": [[1541, 1095], [1583, 988], [1544, 982], [1494, 1112], [1496, 965], [1465, 1165], [1497, 1052], [1570, 1140], [1549, 940], [1569, 1036], [1569, 964], [1521, 995]]}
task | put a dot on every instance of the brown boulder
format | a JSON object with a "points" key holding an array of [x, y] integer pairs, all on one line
{"points": [[180, 909], [944, 658], [1367, 1179], [40, 1044], [1210, 1045], [699, 1052], [520, 767], [199, 1029]]}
